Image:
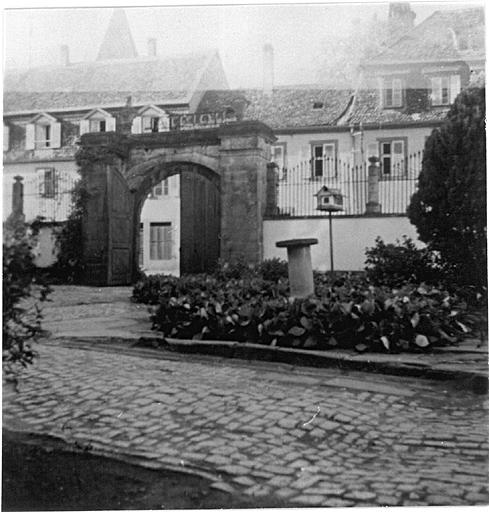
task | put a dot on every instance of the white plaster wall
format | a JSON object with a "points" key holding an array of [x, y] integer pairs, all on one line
{"points": [[351, 236], [299, 145], [45, 252], [56, 209], [163, 209]]}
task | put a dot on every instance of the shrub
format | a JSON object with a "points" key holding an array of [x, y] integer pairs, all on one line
{"points": [[346, 313], [22, 295], [273, 269], [400, 263], [449, 207]]}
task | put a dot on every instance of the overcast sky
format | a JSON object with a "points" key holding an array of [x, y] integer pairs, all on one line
{"points": [[32, 37]]}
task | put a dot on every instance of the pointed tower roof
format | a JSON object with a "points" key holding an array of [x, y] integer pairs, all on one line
{"points": [[118, 42]]}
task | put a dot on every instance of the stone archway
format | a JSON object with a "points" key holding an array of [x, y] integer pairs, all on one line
{"points": [[233, 158], [199, 219]]}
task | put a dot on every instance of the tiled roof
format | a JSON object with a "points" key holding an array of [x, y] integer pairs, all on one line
{"points": [[284, 108], [367, 109], [445, 35], [175, 78], [65, 101]]}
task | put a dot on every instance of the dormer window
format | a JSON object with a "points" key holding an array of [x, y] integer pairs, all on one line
{"points": [[317, 105], [97, 120], [43, 132], [392, 93], [151, 119], [444, 89]]}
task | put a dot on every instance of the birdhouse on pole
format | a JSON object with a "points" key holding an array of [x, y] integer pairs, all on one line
{"points": [[329, 199]]}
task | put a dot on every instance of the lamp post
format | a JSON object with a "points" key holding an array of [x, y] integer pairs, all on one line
{"points": [[330, 200]]}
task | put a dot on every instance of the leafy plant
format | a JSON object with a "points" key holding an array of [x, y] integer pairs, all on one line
{"points": [[348, 312], [449, 207], [396, 264], [22, 295], [273, 269]]}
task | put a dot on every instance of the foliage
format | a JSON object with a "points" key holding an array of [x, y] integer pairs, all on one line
{"points": [[449, 208], [273, 269], [348, 313], [396, 264], [22, 295], [70, 266]]}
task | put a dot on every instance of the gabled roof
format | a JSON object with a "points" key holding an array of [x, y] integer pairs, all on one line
{"points": [[43, 115], [288, 107], [367, 109], [96, 111], [118, 42], [174, 80], [445, 35]]}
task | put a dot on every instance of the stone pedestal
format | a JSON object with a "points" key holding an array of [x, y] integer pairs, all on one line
{"points": [[300, 266], [373, 204]]}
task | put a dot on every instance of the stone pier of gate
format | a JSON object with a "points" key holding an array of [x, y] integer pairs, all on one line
{"points": [[120, 169]]}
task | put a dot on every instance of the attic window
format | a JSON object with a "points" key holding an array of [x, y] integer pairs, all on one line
{"points": [[318, 104]]}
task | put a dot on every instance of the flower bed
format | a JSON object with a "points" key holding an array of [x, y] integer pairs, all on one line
{"points": [[348, 313]]}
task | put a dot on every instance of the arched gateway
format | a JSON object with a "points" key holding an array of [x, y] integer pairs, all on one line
{"points": [[224, 171]]}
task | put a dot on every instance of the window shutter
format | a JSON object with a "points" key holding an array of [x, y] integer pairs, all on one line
{"points": [[6, 130], [454, 87], [56, 182], [55, 135], [396, 93], [110, 124], [30, 130], [41, 182], [137, 125], [84, 126], [163, 124], [436, 90]]}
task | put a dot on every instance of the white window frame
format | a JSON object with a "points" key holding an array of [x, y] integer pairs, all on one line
{"points": [[160, 241], [444, 89], [50, 138], [92, 122], [394, 85], [161, 189], [329, 164], [397, 165], [281, 160], [48, 182]]}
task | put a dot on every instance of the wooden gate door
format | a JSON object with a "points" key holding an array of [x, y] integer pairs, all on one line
{"points": [[120, 233], [200, 220]]}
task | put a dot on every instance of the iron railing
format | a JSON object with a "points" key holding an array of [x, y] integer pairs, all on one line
{"points": [[297, 186], [52, 206]]}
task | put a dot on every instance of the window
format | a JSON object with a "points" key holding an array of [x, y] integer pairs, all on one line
{"points": [[444, 89], [392, 92], [98, 125], [47, 182], [160, 241], [392, 157], [141, 245], [43, 131], [162, 189], [97, 120], [324, 159], [278, 158], [150, 124], [43, 136]]}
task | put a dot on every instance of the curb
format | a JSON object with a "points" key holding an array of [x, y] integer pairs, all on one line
{"points": [[376, 363]]}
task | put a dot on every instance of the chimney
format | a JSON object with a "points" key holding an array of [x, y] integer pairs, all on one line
{"points": [[152, 47], [64, 55], [268, 68]]}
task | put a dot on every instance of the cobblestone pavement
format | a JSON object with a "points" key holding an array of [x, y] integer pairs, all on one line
{"points": [[310, 437]]}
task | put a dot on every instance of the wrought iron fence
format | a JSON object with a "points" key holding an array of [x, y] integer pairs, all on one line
{"points": [[297, 186], [53, 205]]}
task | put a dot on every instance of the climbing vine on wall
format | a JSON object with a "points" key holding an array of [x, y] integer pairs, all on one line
{"points": [[70, 266]]}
